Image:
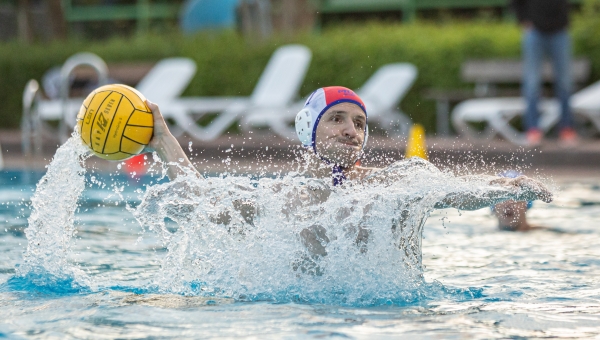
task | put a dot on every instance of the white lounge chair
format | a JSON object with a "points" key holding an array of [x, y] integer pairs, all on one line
{"points": [[276, 89], [381, 94], [498, 112], [165, 82], [587, 103]]}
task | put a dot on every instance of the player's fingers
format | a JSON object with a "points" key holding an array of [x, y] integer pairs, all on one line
{"points": [[546, 195], [159, 120], [154, 108], [540, 190]]}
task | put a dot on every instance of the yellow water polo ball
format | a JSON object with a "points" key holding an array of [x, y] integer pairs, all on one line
{"points": [[115, 122]]}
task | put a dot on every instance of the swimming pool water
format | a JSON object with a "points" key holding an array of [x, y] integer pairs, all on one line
{"points": [[483, 283]]}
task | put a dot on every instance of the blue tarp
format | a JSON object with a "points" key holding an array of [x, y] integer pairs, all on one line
{"points": [[198, 15]]}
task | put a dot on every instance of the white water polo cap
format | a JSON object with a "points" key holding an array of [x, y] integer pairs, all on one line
{"points": [[316, 105]]}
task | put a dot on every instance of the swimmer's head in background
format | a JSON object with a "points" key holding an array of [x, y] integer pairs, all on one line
{"points": [[316, 105], [512, 174]]}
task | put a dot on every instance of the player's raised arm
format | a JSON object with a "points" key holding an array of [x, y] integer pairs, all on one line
{"points": [[167, 147], [521, 188]]}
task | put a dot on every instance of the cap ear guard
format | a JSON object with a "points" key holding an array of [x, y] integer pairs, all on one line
{"points": [[304, 128]]}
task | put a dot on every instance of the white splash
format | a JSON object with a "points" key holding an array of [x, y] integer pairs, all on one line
{"points": [[51, 224], [282, 239], [299, 239]]}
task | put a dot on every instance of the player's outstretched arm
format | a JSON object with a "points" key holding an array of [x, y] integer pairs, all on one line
{"points": [[167, 147], [521, 188], [528, 189]]}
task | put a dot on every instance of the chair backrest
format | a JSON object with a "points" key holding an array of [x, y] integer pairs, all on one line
{"points": [[387, 86], [510, 71], [280, 81], [167, 79], [588, 98]]}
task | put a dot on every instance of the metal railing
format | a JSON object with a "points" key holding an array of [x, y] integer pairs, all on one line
{"points": [[142, 12], [409, 7], [80, 59], [33, 118]]}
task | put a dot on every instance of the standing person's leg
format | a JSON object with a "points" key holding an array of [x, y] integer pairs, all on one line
{"points": [[533, 56], [560, 52]]}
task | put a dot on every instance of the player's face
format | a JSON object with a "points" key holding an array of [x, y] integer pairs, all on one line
{"points": [[340, 134], [511, 214]]}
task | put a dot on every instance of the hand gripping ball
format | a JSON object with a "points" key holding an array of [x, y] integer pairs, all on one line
{"points": [[114, 122]]}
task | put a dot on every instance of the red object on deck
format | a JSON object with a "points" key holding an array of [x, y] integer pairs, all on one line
{"points": [[136, 164]]}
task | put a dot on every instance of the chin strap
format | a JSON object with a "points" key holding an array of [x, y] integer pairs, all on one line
{"points": [[338, 175], [337, 172]]}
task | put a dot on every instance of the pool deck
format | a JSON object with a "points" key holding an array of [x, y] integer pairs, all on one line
{"points": [[260, 152]]}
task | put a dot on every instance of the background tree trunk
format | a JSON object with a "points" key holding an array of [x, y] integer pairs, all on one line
{"points": [[255, 17], [59, 25], [24, 21]]}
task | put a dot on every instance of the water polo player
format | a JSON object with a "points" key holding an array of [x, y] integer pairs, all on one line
{"points": [[333, 126], [512, 215]]}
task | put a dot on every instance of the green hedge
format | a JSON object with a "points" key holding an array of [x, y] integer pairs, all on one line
{"points": [[345, 55]]}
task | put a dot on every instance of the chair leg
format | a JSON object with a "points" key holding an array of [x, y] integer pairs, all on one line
{"points": [[187, 124], [283, 130], [175, 129], [497, 123], [26, 132], [277, 124], [595, 119], [503, 128], [246, 125], [213, 130], [550, 116], [442, 113], [30, 95], [464, 130]]}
